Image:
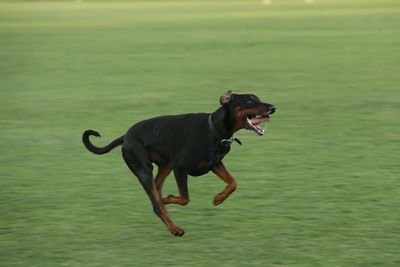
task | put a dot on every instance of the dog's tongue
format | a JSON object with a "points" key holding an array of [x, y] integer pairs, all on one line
{"points": [[257, 121]]}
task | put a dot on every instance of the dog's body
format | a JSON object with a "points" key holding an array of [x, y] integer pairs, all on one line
{"points": [[188, 144]]}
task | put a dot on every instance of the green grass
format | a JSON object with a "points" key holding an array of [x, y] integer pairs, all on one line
{"points": [[322, 188]]}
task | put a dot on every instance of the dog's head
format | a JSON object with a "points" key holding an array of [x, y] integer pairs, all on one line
{"points": [[247, 111]]}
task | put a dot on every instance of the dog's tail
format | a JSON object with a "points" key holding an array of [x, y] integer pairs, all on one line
{"points": [[99, 150]]}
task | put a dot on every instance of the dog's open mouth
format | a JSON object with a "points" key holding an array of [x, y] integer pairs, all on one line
{"points": [[257, 123]]}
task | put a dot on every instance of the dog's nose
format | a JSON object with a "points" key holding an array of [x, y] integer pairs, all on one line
{"points": [[272, 108]]}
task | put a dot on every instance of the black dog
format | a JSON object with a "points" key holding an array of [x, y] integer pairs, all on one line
{"points": [[188, 144]]}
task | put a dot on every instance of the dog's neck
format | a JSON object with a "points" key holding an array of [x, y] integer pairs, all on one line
{"points": [[223, 122]]}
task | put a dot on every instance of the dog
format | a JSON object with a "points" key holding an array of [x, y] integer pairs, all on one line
{"points": [[187, 144]]}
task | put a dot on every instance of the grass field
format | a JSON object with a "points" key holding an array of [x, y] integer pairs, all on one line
{"points": [[322, 187]]}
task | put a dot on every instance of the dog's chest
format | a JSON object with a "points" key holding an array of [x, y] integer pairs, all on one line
{"points": [[203, 166]]}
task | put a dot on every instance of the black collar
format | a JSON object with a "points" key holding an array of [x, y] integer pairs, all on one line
{"points": [[214, 131], [212, 128]]}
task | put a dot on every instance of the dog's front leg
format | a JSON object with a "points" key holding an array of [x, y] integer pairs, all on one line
{"points": [[222, 173], [181, 181]]}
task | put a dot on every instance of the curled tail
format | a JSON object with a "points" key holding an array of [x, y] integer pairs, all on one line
{"points": [[99, 150]]}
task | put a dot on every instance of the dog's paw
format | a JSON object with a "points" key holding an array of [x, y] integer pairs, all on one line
{"points": [[218, 199], [169, 199], [177, 231], [175, 200]]}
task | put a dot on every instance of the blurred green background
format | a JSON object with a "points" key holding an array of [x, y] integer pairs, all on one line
{"points": [[320, 189]]}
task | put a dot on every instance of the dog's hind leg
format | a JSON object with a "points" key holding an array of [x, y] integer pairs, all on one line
{"points": [[137, 160], [164, 170]]}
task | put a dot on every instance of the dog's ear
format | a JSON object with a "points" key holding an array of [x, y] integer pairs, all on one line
{"points": [[226, 98]]}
